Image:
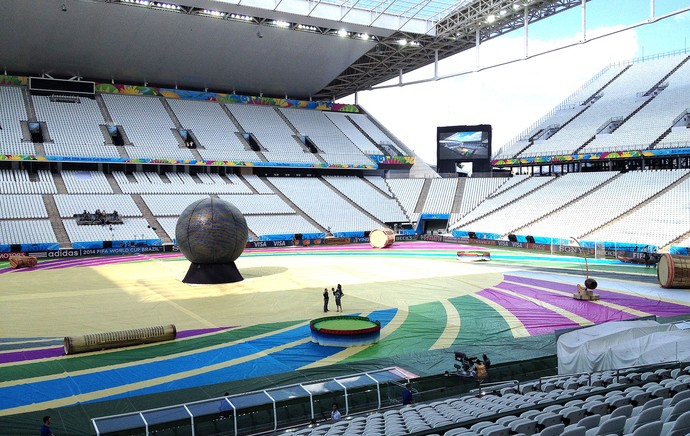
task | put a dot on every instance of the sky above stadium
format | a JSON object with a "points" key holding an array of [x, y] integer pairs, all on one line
{"points": [[512, 97]]}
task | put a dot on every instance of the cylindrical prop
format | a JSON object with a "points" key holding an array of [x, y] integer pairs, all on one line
{"points": [[125, 338], [673, 271], [22, 261], [381, 238]]}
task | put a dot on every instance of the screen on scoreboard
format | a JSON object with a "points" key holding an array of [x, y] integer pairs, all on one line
{"points": [[463, 145], [458, 145]]}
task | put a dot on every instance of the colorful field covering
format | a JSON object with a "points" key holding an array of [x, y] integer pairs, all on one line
{"points": [[425, 300]]}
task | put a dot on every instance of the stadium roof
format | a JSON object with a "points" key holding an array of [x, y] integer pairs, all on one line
{"points": [[320, 49]]}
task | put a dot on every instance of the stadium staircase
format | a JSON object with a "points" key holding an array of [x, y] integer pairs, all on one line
{"points": [[170, 112], [577, 200], [661, 81], [459, 191], [40, 149], [104, 109], [55, 220], [509, 203], [179, 126], [28, 105], [59, 184], [493, 194], [663, 135], [651, 93], [639, 205], [122, 152], [246, 183], [296, 135], [363, 132], [31, 117], [150, 219], [387, 194], [239, 131], [352, 203], [679, 239], [113, 183], [594, 96], [294, 207], [587, 104], [419, 207]]}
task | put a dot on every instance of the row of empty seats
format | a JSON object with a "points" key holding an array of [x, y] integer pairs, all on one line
{"points": [[634, 106], [593, 206], [78, 126], [598, 404], [180, 183], [21, 182], [607, 203], [86, 182], [70, 205]]}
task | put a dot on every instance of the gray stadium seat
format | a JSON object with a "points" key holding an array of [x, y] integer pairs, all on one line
{"points": [[523, 425], [680, 427], [649, 429], [671, 414], [574, 431], [588, 422], [495, 430], [572, 414], [611, 426], [650, 414], [680, 396], [554, 430]]}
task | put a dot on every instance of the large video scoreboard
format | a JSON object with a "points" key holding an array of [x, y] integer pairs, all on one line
{"points": [[463, 144]]}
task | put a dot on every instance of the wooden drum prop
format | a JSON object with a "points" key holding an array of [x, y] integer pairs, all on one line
{"points": [[22, 261], [125, 338], [673, 271], [381, 238]]}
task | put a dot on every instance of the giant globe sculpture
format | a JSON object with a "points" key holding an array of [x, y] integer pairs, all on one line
{"points": [[212, 234]]}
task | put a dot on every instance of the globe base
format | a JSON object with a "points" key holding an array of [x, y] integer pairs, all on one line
{"points": [[212, 273]]}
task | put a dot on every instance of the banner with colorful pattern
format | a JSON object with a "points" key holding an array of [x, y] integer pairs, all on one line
{"points": [[225, 98], [392, 160], [591, 156], [227, 163], [13, 80], [115, 88]]}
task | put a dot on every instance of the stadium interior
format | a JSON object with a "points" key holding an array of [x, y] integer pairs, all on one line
{"points": [[101, 150]]}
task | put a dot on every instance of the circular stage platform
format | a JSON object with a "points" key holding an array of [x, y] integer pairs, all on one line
{"points": [[345, 331]]}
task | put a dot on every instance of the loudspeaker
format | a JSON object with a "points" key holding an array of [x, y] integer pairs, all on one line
{"points": [[512, 238], [366, 234], [530, 239], [15, 248], [298, 236], [107, 244], [472, 235]]}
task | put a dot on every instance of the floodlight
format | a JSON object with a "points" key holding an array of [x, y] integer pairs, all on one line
{"points": [[281, 23], [490, 19], [402, 42], [343, 33], [364, 36], [214, 13], [306, 27]]}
